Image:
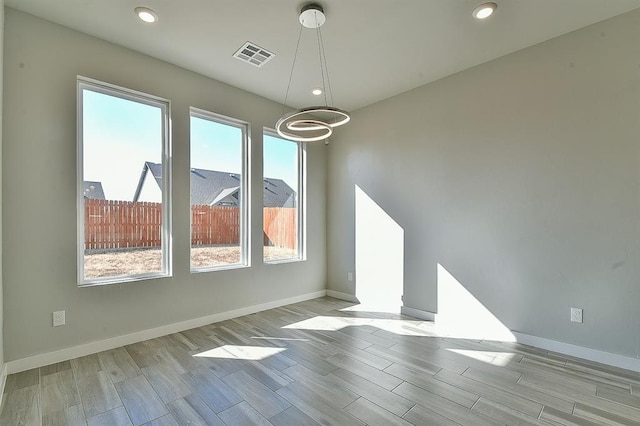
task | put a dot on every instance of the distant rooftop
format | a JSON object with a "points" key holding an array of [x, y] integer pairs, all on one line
{"points": [[212, 187]]}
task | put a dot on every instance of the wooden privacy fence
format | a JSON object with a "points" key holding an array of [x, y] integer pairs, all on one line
{"points": [[280, 225], [215, 225], [121, 224]]}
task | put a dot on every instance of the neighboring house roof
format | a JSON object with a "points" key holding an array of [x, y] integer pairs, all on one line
{"points": [[212, 187], [92, 190]]}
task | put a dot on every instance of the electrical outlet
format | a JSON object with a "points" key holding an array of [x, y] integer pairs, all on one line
{"points": [[576, 314], [58, 318], [350, 276]]}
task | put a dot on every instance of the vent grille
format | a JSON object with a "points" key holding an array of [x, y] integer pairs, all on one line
{"points": [[253, 54]]}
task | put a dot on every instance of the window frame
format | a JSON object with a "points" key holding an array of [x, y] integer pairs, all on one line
{"points": [[245, 188], [85, 83], [302, 200]]}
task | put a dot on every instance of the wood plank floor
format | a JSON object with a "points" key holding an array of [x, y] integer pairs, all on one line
{"points": [[314, 363]]}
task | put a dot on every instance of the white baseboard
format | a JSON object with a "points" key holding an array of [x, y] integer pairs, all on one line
{"points": [[342, 296], [48, 358], [602, 357], [41, 360], [418, 313], [3, 381]]}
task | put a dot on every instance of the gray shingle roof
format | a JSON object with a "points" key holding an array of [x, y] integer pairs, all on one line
{"points": [[92, 190], [211, 187]]}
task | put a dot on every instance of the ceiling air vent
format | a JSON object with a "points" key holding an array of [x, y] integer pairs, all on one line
{"points": [[253, 54]]}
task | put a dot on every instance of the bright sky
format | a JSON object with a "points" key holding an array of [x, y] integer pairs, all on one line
{"points": [[120, 135]]}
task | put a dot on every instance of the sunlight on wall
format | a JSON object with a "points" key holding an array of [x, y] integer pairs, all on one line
{"points": [[379, 257], [250, 353], [461, 315]]}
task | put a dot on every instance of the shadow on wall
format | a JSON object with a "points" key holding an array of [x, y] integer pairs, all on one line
{"points": [[379, 246], [461, 315]]}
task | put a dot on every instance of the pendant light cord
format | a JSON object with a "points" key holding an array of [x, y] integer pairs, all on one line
{"points": [[295, 57], [323, 58], [322, 67]]}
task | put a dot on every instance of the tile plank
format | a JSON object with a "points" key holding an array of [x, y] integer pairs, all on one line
{"points": [[243, 414], [316, 409], [606, 417], [118, 364], [211, 389], [167, 420], [86, 365], [438, 387], [421, 416], [348, 363], [519, 403], [58, 391], [518, 389], [373, 415], [140, 400], [98, 393], [559, 417], [378, 395], [72, 416], [504, 414], [116, 417], [22, 380], [433, 403], [320, 384], [21, 406], [260, 397], [166, 382], [55, 368], [191, 410], [292, 416], [616, 394]]}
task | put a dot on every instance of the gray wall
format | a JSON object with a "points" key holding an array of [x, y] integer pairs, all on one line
{"points": [[521, 177], [41, 63], [1, 274]]}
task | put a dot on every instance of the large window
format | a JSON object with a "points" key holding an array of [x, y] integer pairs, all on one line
{"points": [[219, 206], [284, 202], [123, 185]]}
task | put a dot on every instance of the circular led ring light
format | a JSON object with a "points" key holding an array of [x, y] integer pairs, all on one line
{"points": [[306, 125], [341, 116], [293, 123]]}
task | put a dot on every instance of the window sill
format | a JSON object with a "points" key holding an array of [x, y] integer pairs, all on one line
{"points": [[279, 261], [123, 279], [218, 268]]}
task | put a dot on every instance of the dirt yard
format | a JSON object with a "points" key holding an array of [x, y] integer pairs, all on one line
{"points": [[132, 262]]}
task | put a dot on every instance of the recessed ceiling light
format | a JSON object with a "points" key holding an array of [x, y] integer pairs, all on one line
{"points": [[146, 14], [484, 10], [317, 91]]}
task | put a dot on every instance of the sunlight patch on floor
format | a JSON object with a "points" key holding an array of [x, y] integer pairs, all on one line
{"points": [[330, 323], [286, 339], [249, 353], [484, 356]]}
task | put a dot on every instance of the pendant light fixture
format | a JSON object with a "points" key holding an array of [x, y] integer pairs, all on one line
{"points": [[313, 123]]}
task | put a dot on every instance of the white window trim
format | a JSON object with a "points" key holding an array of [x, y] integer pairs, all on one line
{"points": [[167, 243], [245, 199], [302, 201]]}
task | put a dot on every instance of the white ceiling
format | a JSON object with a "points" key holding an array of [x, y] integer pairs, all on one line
{"points": [[374, 48]]}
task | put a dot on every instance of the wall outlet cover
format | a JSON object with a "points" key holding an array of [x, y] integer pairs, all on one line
{"points": [[59, 318], [576, 315]]}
